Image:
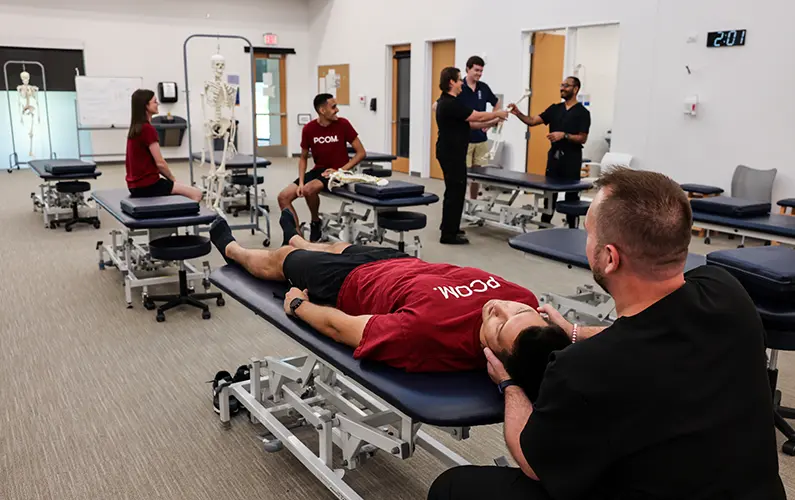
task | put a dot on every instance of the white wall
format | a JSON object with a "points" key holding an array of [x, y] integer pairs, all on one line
{"points": [[745, 112], [596, 49], [145, 39]]}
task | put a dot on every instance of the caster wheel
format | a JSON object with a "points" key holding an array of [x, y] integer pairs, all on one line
{"points": [[96, 224], [706, 241], [273, 446], [53, 225], [253, 232], [789, 448], [101, 266], [68, 229], [206, 283], [149, 305], [235, 214], [160, 317], [220, 302], [228, 210], [266, 242], [191, 290], [206, 315], [740, 246]]}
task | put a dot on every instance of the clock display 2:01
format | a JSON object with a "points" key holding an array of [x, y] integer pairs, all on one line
{"points": [[726, 38]]}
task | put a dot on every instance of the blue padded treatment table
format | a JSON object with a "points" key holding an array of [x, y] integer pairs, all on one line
{"points": [[522, 180], [440, 399], [568, 247], [237, 161], [732, 207], [73, 169], [159, 206], [111, 200], [773, 224]]}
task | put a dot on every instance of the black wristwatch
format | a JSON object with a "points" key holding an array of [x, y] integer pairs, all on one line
{"points": [[505, 384], [295, 303]]}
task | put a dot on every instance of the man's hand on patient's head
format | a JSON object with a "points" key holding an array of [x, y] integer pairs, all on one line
{"points": [[554, 317], [292, 294], [497, 371]]}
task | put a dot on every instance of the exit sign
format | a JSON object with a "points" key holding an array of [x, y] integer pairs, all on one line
{"points": [[270, 39]]}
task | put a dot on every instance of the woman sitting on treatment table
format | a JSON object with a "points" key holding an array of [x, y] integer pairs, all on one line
{"points": [[147, 172]]}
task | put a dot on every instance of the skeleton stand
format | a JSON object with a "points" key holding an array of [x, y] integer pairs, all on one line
{"points": [[254, 224], [13, 158]]}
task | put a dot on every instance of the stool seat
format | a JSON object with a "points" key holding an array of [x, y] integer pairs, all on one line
{"points": [[780, 341], [787, 202], [402, 221], [377, 172], [246, 180], [72, 187], [573, 207], [701, 189], [779, 318], [183, 247]]}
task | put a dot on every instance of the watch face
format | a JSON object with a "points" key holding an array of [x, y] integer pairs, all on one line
{"points": [[295, 303]]}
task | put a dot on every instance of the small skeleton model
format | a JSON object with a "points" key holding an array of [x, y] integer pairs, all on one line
{"points": [[340, 178], [219, 96], [497, 141], [28, 101]]}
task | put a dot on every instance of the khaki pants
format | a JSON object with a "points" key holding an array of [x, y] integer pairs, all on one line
{"points": [[477, 154]]}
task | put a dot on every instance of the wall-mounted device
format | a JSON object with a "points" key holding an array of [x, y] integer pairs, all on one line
{"points": [[167, 92], [373, 104], [729, 38], [691, 105]]}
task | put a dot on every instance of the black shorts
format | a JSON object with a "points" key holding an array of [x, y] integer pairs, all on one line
{"points": [[162, 187], [313, 174], [324, 273]]}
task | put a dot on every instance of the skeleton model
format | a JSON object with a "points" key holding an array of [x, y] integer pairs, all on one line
{"points": [[28, 102], [340, 178], [218, 95], [497, 141]]}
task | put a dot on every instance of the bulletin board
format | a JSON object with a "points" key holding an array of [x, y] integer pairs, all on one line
{"points": [[335, 79]]}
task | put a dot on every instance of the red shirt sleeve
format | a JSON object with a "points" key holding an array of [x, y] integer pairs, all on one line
{"points": [[350, 132], [384, 340], [148, 134], [306, 139]]}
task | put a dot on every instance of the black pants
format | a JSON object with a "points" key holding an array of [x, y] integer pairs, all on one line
{"points": [[479, 483], [455, 188], [563, 165]]}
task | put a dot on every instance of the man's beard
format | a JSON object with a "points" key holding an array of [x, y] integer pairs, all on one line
{"points": [[600, 279]]}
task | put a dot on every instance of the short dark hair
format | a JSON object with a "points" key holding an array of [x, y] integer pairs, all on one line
{"points": [[321, 100], [447, 74], [531, 353], [576, 81], [475, 61], [648, 217]]}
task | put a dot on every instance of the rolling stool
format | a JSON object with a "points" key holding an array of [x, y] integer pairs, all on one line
{"points": [[771, 284], [401, 222], [246, 181], [785, 204], [181, 248], [377, 171], [74, 195], [573, 209]]}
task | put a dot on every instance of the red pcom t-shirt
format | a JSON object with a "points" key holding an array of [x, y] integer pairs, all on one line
{"points": [[426, 317], [141, 168], [328, 145]]}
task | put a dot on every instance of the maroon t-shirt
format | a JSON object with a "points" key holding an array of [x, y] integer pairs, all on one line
{"points": [[140, 164], [426, 317], [328, 145]]}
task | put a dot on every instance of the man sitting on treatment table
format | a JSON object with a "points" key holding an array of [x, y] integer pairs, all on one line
{"points": [[671, 401], [327, 138], [394, 308]]}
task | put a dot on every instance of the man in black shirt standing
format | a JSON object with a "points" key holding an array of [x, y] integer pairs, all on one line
{"points": [[569, 123], [455, 120], [671, 401]]}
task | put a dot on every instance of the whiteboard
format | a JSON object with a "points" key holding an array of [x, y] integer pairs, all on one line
{"points": [[105, 101]]}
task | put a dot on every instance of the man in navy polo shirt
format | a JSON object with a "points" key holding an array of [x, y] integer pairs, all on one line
{"points": [[475, 94]]}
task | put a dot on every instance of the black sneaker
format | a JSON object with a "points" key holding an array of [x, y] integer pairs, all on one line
{"points": [[315, 231], [222, 379]]}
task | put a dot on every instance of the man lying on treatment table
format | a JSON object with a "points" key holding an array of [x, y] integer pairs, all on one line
{"points": [[400, 310]]}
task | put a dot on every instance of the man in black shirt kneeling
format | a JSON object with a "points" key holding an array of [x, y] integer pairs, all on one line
{"points": [[669, 402]]}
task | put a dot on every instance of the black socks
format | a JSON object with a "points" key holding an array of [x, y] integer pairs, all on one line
{"points": [[287, 221], [221, 236]]}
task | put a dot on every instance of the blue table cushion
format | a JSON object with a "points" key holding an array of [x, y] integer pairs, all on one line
{"points": [[573, 207], [524, 180], [111, 200], [773, 224], [403, 201], [701, 189], [159, 206], [394, 189], [442, 399], [767, 273], [734, 207], [64, 170], [787, 202]]}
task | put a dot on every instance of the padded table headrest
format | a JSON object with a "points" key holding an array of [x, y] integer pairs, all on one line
{"points": [[159, 207], [395, 189], [733, 207], [767, 273]]}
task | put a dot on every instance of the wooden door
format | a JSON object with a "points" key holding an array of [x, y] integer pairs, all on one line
{"points": [[271, 104], [546, 74], [442, 56], [401, 77]]}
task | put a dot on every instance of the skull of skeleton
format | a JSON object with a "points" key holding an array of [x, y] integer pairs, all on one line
{"points": [[25, 76], [218, 64]]}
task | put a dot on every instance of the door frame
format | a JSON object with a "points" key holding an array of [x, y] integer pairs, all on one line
{"points": [[390, 137], [284, 146], [430, 89]]}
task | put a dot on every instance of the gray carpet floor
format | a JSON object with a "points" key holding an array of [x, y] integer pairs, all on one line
{"points": [[99, 401]]}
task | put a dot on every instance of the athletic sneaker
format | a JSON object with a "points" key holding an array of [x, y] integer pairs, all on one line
{"points": [[223, 378], [315, 232]]}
